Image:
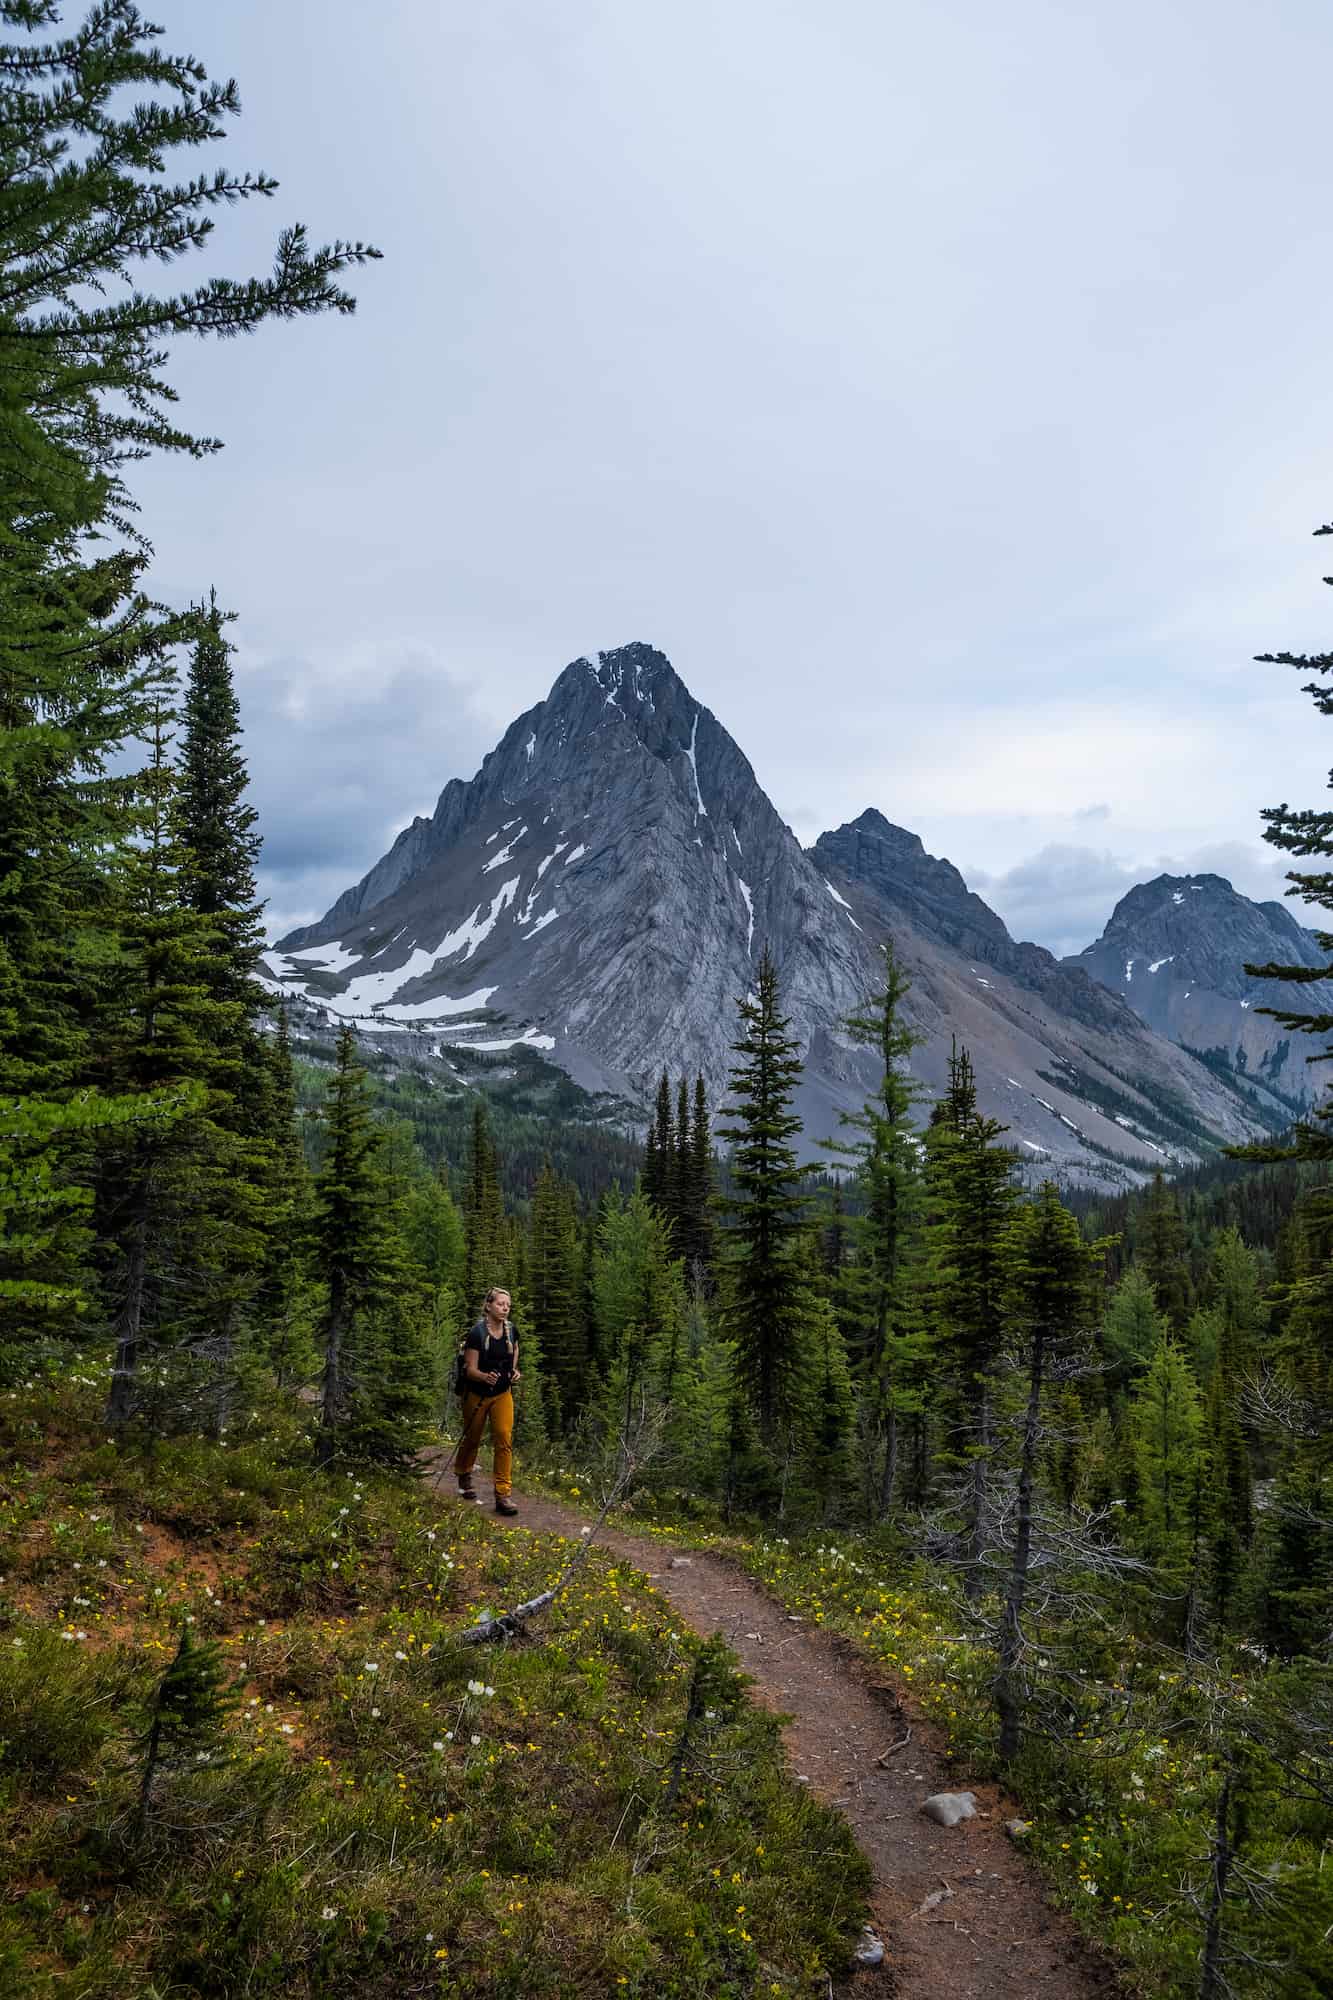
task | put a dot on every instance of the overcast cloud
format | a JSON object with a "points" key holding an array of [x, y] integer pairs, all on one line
{"points": [[945, 388]]}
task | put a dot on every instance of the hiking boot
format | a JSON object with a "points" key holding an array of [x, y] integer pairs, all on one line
{"points": [[466, 1490], [504, 1505]]}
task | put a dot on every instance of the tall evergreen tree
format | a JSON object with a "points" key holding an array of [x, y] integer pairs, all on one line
{"points": [[1163, 1253], [373, 1381], [1131, 1331], [658, 1166], [281, 1306], [85, 201], [972, 1199], [489, 1239], [883, 1291], [766, 1215], [678, 1179], [700, 1192], [553, 1287], [1164, 1425], [172, 1229], [1048, 1308], [1228, 1494], [217, 822]]}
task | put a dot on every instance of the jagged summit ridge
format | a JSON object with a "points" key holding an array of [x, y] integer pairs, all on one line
{"points": [[600, 891]]}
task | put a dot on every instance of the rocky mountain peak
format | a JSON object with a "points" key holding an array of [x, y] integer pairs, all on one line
{"points": [[1176, 948], [871, 849], [600, 890]]}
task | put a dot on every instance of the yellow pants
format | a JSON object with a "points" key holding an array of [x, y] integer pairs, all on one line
{"points": [[478, 1411]]}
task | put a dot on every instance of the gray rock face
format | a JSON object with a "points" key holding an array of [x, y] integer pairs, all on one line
{"points": [[602, 889], [1176, 948]]}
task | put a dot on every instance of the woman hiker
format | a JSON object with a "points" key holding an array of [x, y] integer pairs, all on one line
{"points": [[490, 1367]]}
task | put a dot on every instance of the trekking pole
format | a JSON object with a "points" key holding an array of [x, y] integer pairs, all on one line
{"points": [[482, 1407]]}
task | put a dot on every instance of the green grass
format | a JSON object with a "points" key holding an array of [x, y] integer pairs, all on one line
{"points": [[366, 1822]]}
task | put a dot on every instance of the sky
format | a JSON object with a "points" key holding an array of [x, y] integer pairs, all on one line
{"points": [[945, 388]]}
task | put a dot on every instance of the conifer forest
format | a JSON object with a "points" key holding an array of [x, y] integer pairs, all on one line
{"points": [[1056, 1464]]}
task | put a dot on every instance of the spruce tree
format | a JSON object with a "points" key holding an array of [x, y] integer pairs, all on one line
{"points": [[1131, 1331], [281, 1307], [1164, 1426], [553, 1287], [172, 1211], [1228, 1509], [1163, 1254], [1048, 1309], [883, 1291], [700, 1193], [765, 1217], [86, 200], [972, 1197], [488, 1237], [217, 823], [659, 1167], [374, 1375], [678, 1189], [189, 1706]]}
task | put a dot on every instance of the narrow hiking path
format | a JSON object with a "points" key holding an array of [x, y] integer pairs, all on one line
{"points": [[961, 1913]]}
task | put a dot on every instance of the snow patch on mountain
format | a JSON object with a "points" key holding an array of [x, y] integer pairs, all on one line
{"points": [[749, 910], [325, 957], [474, 930], [699, 806], [506, 853], [441, 1008]]}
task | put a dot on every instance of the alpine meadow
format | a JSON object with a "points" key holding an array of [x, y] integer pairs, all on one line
{"points": [[643, 1407]]}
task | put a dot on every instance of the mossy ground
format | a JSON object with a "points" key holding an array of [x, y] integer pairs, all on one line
{"points": [[367, 1822]]}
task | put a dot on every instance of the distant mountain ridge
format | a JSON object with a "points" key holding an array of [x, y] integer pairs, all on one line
{"points": [[1176, 949], [600, 890]]}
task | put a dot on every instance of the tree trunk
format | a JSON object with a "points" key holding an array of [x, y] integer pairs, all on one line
{"points": [[1224, 1853], [122, 1396], [332, 1386], [1007, 1700], [976, 1539], [889, 1477]]}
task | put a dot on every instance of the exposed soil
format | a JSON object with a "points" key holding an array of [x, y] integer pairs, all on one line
{"points": [[961, 1912]]}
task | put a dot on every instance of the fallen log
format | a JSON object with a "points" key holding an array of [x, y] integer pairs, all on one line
{"points": [[509, 1624]]}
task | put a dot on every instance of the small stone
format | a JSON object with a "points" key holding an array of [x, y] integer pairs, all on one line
{"points": [[801, 1778], [948, 1808], [870, 1950], [680, 1562], [1017, 1828]]}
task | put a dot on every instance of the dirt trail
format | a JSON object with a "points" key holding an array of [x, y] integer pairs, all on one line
{"points": [[991, 1935]]}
